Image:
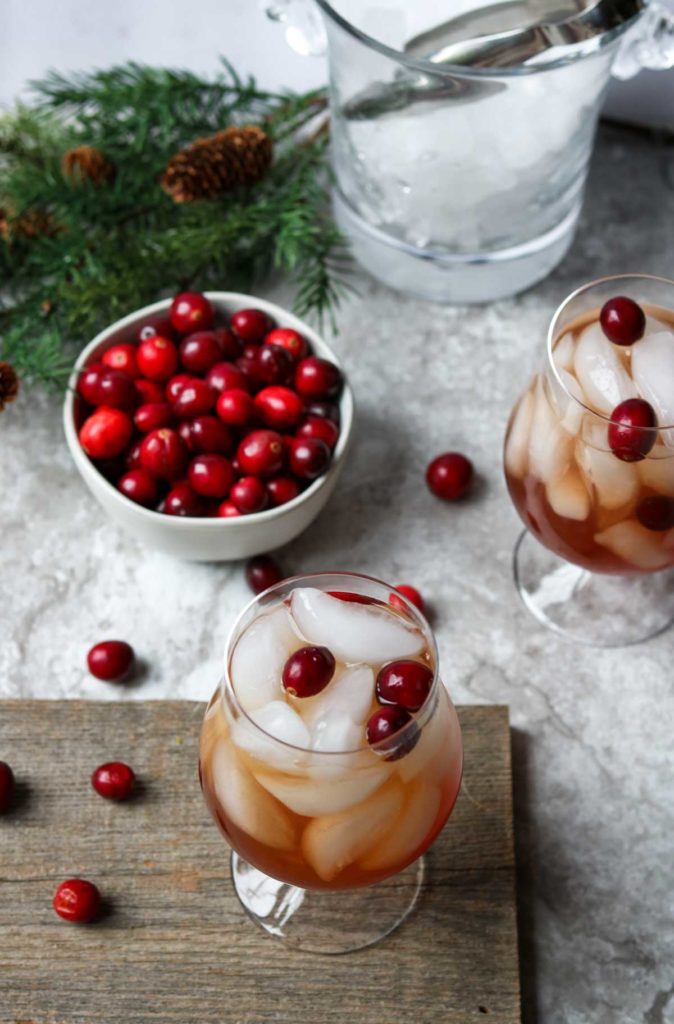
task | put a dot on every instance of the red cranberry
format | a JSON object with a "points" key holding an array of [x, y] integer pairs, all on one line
{"points": [[656, 512], [206, 434], [412, 595], [309, 457], [211, 475], [122, 357], [230, 345], [272, 365], [117, 390], [153, 416], [261, 453], [164, 454], [317, 378], [249, 495], [196, 398], [449, 476], [383, 728], [139, 486], [246, 364], [175, 386], [633, 430], [200, 351], [77, 900], [293, 342], [148, 391], [157, 358], [183, 500], [6, 787], [262, 572], [350, 597], [113, 780], [405, 683], [308, 671], [251, 324], [622, 320], [282, 489], [132, 457], [227, 510], [325, 410], [235, 407], [191, 311], [322, 429], [226, 376], [111, 660], [279, 407], [88, 383], [162, 327], [106, 433]]}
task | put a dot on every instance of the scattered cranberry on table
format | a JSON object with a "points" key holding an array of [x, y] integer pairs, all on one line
{"points": [[449, 476], [77, 900], [308, 671], [622, 320], [114, 780], [632, 430], [262, 572], [6, 787], [412, 595], [111, 660]]}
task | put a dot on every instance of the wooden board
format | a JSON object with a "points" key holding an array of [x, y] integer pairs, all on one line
{"points": [[174, 946]]}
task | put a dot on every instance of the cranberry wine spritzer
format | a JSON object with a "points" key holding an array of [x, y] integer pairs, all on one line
{"points": [[331, 755]]}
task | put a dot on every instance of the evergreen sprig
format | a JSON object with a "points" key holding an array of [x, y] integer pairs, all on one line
{"points": [[113, 247]]}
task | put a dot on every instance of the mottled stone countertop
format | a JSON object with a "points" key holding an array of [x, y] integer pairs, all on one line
{"points": [[594, 760]]}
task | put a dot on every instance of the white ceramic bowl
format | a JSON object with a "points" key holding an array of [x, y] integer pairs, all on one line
{"points": [[208, 539]]}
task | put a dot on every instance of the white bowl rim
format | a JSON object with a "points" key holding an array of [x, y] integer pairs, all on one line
{"points": [[243, 300]]}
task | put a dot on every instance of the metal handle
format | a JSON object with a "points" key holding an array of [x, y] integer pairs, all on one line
{"points": [[304, 28], [649, 44]]}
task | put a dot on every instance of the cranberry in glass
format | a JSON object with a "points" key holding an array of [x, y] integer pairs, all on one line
{"points": [[449, 476], [235, 407], [405, 683], [122, 357], [272, 365], [383, 727], [227, 510], [139, 486], [632, 430], [248, 495], [251, 324], [106, 433], [292, 341], [88, 382], [117, 390], [308, 671], [412, 595], [191, 311], [157, 358], [148, 391], [163, 453], [224, 376], [656, 512], [77, 900], [262, 572], [317, 378], [622, 320], [200, 351], [309, 457], [183, 500], [279, 407], [111, 660], [152, 416], [114, 780], [206, 434], [196, 398], [324, 430], [282, 489], [261, 453], [211, 475], [176, 384], [6, 787]]}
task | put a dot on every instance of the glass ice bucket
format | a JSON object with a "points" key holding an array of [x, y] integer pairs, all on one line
{"points": [[455, 183]]}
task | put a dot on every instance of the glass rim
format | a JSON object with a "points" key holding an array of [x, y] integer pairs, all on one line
{"points": [[553, 335], [462, 70], [227, 689]]}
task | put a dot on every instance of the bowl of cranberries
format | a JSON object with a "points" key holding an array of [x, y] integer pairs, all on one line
{"points": [[213, 426]]}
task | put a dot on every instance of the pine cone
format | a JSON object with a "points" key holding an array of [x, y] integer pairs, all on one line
{"points": [[28, 225], [235, 156], [9, 384], [84, 163]]}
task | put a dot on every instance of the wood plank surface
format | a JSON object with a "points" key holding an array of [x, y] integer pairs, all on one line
{"points": [[174, 946]]}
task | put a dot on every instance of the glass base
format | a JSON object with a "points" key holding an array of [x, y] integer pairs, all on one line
{"points": [[591, 608], [327, 922], [443, 276]]}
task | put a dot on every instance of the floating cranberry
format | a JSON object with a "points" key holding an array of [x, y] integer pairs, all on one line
{"points": [[383, 728], [191, 311], [261, 453], [293, 342], [200, 351], [309, 457], [211, 475], [412, 595], [251, 324], [196, 398], [235, 407], [122, 357], [322, 429], [449, 476], [282, 489], [351, 597], [175, 386], [279, 407], [325, 410], [622, 320], [317, 378], [272, 365], [226, 376], [162, 327], [113, 780], [116, 390], [88, 382], [206, 434], [148, 391], [308, 671], [633, 430], [106, 433], [656, 512], [262, 572], [248, 495], [183, 500], [139, 486], [163, 453], [111, 660], [405, 683], [152, 416], [77, 900], [6, 787], [230, 345], [227, 510], [157, 358]]}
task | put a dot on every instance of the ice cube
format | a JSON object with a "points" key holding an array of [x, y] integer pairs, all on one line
{"points": [[409, 832], [600, 372], [259, 657], [350, 692], [616, 482], [353, 632], [569, 497], [550, 447], [311, 796], [657, 470], [247, 804], [636, 545], [276, 719], [337, 733], [572, 409], [332, 842], [517, 445], [653, 373], [564, 351]]}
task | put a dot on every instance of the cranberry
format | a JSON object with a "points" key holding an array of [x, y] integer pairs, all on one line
{"points": [[317, 378], [77, 900], [113, 780], [200, 351], [632, 430], [308, 671], [227, 510], [206, 434], [279, 407], [116, 390], [262, 572], [235, 407], [162, 326], [282, 489], [163, 453], [183, 500], [622, 320], [350, 597], [293, 342], [132, 457], [230, 345], [405, 683], [272, 365], [211, 475], [656, 512], [412, 595], [148, 391], [139, 486], [105, 433], [309, 457], [383, 728], [226, 376], [111, 660], [322, 429], [6, 787], [88, 383], [196, 398], [249, 495], [153, 416], [449, 476], [157, 358], [261, 453], [325, 410], [191, 311], [176, 384], [251, 324], [122, 357], [246, 365]]}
